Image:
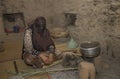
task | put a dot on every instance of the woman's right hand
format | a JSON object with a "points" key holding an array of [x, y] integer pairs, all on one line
{"points": [[47, 58]]}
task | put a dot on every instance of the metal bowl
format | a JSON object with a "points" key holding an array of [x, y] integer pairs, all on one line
{"points": [[90, 49]]}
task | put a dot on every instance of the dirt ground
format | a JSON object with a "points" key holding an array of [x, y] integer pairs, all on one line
{"points": [[107, 67], [13, 46]]}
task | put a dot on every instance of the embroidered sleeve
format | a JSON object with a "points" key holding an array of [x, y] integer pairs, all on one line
{"points": [[28, 43]]}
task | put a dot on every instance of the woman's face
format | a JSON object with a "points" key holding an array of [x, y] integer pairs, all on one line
{"points": [[40, 25]]}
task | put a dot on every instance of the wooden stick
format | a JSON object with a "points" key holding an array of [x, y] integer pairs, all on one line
{"points": [[44, 71], [15, 67], [45, 67], [48, 71]]}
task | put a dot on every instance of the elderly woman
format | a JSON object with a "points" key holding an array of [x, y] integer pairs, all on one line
{"points": [[38, 47]]}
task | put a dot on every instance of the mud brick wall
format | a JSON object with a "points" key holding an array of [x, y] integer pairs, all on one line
{"points": [[1, 21], [30, 8], [96, 19]]}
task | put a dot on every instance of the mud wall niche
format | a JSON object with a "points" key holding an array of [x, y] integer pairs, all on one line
{"points": [[13, 22]]}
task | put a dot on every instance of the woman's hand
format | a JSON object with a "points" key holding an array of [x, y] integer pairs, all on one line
{"points": [[47, 58], [51, 57]]}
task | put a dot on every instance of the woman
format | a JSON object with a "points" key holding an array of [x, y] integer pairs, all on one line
{"points": [[38, 47]]}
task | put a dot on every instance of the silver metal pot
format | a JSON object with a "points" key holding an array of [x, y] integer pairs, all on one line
{"points": [[90, 49]]}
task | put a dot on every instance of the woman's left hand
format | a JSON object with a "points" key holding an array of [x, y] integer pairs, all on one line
{"points": [[47, 58]]}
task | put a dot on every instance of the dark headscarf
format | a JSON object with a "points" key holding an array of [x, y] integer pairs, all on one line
{"points": [[41, 37]]}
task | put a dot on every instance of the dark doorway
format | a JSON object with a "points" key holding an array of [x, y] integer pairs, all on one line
{"points": [[70, 18]]}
